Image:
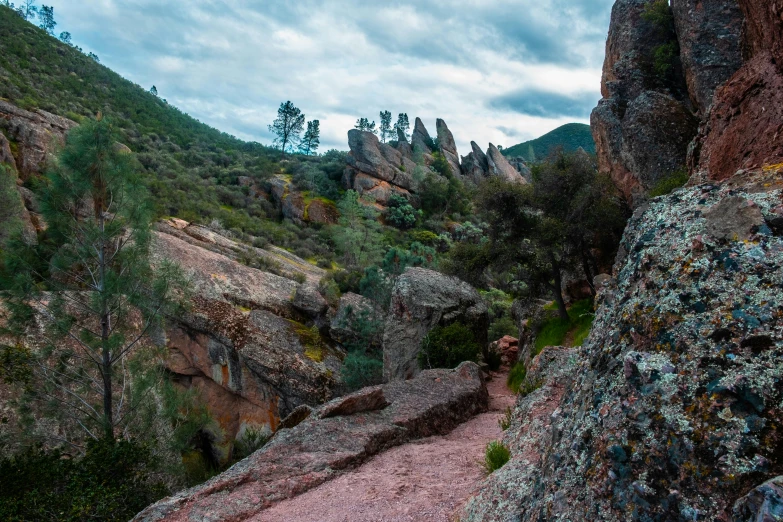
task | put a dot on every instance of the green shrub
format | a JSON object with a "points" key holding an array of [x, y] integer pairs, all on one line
{"points": [[554, 331], [493, 360], [251, 441], [529, 387], [670, 183], [501, 327], [425, 237], [516, 377], [496, 456], [447, 347], [400, 213], [360, 370], [505, 421], [112, 481]]}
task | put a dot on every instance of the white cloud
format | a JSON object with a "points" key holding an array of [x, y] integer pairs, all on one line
{"points": [[231, 64]]}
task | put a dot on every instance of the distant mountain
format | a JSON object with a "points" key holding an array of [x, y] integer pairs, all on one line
{"points": [[570, 136]]}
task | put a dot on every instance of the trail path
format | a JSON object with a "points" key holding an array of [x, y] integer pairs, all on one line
{"points": [[425, 480]]}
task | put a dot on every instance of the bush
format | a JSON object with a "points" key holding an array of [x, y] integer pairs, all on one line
{"points": [[516, 377], [401, 213], [554, 331], [447, 347], [497, 454], [670, 183], [251, 441], [112, 481], [360, 370], [505, 421], [502, 327]]}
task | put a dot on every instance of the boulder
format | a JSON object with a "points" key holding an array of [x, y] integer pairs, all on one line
{"points": [[379, 160], [521, 166], [710, 50], [421, 300], [308, 300], [36, 135], [671, 396], [733, 219], [298, 207], [366, 399], [763, 504], [318, 449], [499, 166], [447, 146]]}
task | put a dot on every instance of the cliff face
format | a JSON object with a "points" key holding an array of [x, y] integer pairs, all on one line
{"points": [[647, 118], [671, 409]]}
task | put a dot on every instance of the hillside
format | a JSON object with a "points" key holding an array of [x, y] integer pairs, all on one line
{"points": [[570, 136]]}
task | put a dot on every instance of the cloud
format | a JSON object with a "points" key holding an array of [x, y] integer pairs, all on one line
{"points": [[547, 104], [494, 71]]}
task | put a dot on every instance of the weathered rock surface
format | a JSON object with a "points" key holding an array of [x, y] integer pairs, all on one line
{"points": [[745, 127], [34, 134], [352, 307], [521, 166], [499, 166], [421, 300], [376, 168], [763, 504], [299, 208], [447, 146], [674, 406], [319, 449], [644, 125], [709, 37], [475, 166], [420, 139]]}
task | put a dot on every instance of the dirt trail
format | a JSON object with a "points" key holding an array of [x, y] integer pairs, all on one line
{"points": [[425, 480]]}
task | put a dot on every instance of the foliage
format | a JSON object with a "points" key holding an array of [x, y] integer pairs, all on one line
{"points": [[469, 262], [569, 137], [401, 213], [358, 238], [288, 125], [505, 421], [496, 456], [112, 481], [665, 55], [516, 376], [501, 327], [251, 441], [670, 183], [10, 203], [441, 195], [441, 165], [403, 125], [98, 296], [447, 347], [554, 330], [46, 17], [365, 125], [360, 370], [311, 138], [397, 259], [386, 126]]}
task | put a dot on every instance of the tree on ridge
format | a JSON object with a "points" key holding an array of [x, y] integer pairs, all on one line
{"points": [[312, 138], [288, 125], [386, 126]]}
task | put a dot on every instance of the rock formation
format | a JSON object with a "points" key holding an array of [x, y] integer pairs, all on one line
{"points": [[329, 441], [447, 146], [34, 135], [421, 300], [420, 139], [297, 206], [477, 166], [644, 124], [745, 126], [377, 169], [499, 166]]}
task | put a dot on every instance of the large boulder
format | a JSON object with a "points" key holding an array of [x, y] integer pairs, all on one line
{"points": [[499, 166], [710, 51], [673, 405], [744, 129], [421, 300], [448, 146], [330, 441], [35, 135], [379, 160]]}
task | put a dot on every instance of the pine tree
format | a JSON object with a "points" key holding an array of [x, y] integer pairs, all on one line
{"points": [[46, 16], [65, 37], [288, 125], [154, 91], [403, 125], [311, 138], [365, 125], [89, 292], [386, 126]]}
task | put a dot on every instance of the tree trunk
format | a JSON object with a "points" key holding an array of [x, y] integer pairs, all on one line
{"points": [[105, 329], [558, 289], [588, 272]]}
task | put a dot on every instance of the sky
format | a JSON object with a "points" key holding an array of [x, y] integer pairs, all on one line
{"points": [[500, 71]]}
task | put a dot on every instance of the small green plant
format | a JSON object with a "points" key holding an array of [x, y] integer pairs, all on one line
{"points": [[251, 441], [529, 387], [447, 347], [401, 213], [555, 331], [516, 377], [501, 327], [670, 183], [496, 456], [505, 421]]}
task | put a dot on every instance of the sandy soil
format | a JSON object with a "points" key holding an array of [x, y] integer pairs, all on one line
{"points": [[425, 480]]}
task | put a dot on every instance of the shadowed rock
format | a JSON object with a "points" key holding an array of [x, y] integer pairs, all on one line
{"points": [[420, 138], [499, 166], [447, 146]]}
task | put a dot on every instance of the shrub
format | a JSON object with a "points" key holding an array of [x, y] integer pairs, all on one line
{"points": [[493, 360], [447, 347], [114, 480], [425, 237], [502, 327], [554, 331], [497, 454], [360, 370], [670, 183], [505, 421], [251, 441], [516, 377], [401, 213]]}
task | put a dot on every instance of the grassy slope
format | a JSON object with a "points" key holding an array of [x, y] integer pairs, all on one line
{"points": [[571, 136], [192, 169]]}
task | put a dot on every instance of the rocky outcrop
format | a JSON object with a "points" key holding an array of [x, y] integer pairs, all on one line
{"points": [[674, 403], [421, 300], [645, 122], [377, 169], [322, 447], [420, 139], [499, 166], [298, 206], [33, 135], [745, 126], [475, 166], [520, 165], [447, 146], [710, 51]]}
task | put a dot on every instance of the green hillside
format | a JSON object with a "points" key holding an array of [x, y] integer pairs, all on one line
{"points": [[192, 169], [570, 136]]}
